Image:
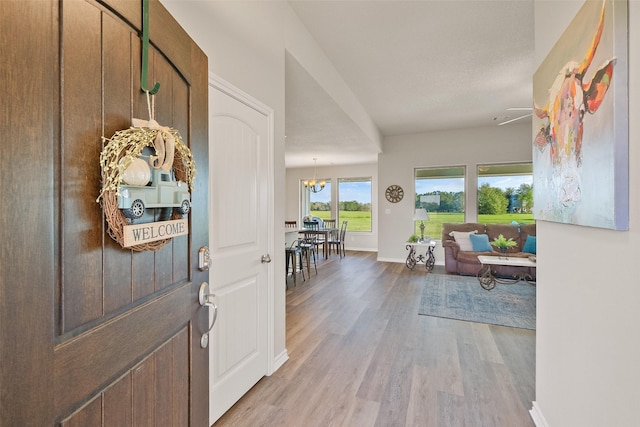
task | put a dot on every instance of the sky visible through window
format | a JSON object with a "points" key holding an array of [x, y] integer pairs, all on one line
{"points": [[355, 190], [456, 184], [504, 182], [358, 191], [361, 191]]}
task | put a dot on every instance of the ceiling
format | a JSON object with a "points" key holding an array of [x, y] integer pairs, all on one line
{"points": [[415, 66]]}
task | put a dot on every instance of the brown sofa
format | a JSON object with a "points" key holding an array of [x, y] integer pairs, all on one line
{"points": [[466, 262]]}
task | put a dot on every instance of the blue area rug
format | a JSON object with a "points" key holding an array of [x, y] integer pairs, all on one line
{"points": [[462, 298]]}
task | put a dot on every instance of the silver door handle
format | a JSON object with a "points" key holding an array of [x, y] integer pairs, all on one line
{"points": [[266, 259], [204, 298]]}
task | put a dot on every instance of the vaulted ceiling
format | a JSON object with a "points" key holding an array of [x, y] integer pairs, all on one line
{"points": [[415, 66]]}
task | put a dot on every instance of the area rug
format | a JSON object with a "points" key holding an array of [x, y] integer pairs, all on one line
{"points": [[462, 298]]}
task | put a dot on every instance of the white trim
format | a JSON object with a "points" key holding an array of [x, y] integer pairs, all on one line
{"points": [[360, 249], [228, 88], [279, 361], [536, 415], [398, 260]]}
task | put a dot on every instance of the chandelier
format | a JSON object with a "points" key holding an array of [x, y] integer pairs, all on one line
{"points": [[313, 185]]}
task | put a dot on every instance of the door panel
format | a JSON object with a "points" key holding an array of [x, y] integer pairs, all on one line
{"points": [[154, 392], [239, 186], [28, 237], [93, 359], [81, 287], [94, 334], [238, 305]]}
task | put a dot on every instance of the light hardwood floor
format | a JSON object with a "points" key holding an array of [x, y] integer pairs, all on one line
{"points": [[360, 355]]}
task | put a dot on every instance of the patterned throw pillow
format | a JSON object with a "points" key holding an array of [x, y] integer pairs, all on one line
{"points": [[462, 238]]}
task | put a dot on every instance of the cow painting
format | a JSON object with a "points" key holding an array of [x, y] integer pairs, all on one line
{"points": [[576, 94]]}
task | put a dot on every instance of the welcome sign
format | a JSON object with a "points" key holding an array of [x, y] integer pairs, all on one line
{"points": [[138, 234]]}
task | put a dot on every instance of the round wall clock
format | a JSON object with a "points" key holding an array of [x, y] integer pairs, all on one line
{"points": [[394, 193]]}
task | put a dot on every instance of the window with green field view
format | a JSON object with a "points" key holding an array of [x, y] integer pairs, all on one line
{"points": [[440, 191], [354, 203], [505, 193]]}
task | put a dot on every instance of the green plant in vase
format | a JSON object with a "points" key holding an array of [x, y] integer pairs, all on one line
{"points": [[503, 244], [413, 239]]}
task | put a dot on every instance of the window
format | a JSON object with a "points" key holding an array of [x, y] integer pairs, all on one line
{"points": [[440, 191], [316, 204], [505, 193], [354, 196]]}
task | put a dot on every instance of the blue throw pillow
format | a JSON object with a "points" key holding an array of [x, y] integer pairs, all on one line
{"points": [[480, 243], [530, 245]]}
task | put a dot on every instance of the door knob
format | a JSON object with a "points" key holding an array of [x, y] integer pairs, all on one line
{"points": [[204, 298], [266, 259]]}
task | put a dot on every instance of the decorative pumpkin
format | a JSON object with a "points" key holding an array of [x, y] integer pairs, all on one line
{"points": [[137, 173]]}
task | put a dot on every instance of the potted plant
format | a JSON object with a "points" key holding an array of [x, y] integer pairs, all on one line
{"points": [[503, 244], [414, 238]]}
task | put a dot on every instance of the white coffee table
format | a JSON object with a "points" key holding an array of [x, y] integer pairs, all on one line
{"points": [[488, 280]]}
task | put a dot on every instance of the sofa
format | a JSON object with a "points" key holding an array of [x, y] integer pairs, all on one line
{"points": [[461, 254]]}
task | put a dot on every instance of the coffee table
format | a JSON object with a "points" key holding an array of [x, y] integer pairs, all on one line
{"points": [[488, 280]]}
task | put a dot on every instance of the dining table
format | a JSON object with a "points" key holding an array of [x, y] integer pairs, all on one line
{"points": [[291, 235], [326, 231]]}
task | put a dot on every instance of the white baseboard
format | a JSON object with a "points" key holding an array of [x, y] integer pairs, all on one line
{"points": [[353, 248], [401, 261], [278, 361], [537, 417]]}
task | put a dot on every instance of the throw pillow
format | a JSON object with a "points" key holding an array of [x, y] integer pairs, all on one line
{"points": [[530, 245], [480, 243], [462, 238]]}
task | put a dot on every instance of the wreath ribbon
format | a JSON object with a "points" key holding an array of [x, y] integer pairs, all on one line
{"points": [[164, 144]]}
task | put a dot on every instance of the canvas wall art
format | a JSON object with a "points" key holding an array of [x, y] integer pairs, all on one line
{"points": [[580, 122]]}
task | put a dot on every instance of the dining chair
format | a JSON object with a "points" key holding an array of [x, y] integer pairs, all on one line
{"points": [[307, 245], [334, 234], [329, 223], [311, 225], [318, 238], [339, 241], [291, 224], [293, 256], [331, 233], [319, 220]]}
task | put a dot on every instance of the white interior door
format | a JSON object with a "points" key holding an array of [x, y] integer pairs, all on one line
{"points": [[239, 235]]}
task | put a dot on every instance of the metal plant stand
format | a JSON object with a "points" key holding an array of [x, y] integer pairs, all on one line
{"points": [[415, 257]]}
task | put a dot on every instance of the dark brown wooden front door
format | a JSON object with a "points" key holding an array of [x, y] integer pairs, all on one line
{"points": [[93, 334]]}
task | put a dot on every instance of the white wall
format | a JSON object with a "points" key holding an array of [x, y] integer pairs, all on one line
{"points": [[362, 241], [462, 147], [245, 42], [588, 306]]}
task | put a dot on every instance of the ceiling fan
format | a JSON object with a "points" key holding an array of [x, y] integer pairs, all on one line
{"points": [[516, 118]]}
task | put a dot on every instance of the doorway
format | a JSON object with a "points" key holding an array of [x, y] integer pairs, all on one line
{"points": [[241, 223]]}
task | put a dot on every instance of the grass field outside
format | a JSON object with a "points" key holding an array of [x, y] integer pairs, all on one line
{"points": [[433, 227], [361, 221], [358, 221]]}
